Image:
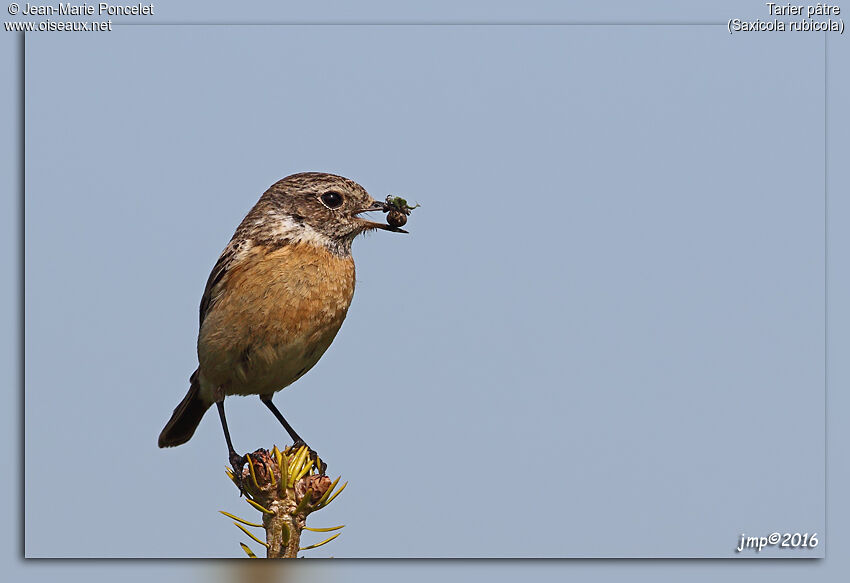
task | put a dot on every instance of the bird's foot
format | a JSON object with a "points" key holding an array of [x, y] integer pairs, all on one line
{"points": [[323, 467], [237, 462]]}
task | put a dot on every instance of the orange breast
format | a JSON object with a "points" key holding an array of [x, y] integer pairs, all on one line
{"points": [[274, 314]]}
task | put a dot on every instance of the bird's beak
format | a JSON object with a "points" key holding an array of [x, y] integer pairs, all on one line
{"points": [[376, 206]]}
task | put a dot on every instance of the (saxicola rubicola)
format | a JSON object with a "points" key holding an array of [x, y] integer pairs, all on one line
{"points": [[276, 298]]}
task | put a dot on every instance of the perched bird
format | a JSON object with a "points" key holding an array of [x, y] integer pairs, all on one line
{"points": [[276, 298]]}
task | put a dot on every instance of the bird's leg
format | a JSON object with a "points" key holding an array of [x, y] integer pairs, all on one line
{"points": [[267, 401], [298, 442], [236, 461]]}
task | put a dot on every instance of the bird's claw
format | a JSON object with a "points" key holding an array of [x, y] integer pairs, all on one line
{"points": [[237, 462], [323, 467]]}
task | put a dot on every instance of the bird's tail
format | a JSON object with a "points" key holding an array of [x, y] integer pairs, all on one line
{"points": [[186, 416]]}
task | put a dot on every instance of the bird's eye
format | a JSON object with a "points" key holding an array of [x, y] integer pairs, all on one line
{"points": [[332, 200]]}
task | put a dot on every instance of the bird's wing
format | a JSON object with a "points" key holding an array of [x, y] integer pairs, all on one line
{"points": [[222, 266]]}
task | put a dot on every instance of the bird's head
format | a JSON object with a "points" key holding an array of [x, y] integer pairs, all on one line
{"points": [[318, 208]]}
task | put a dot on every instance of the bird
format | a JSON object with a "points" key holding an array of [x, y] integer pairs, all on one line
{"points": [[275, 299]]}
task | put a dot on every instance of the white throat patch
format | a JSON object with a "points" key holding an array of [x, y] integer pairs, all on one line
{"points": [[285, 227]]}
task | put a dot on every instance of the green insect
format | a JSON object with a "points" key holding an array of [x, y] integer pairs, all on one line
{"points": [[397, 210]]}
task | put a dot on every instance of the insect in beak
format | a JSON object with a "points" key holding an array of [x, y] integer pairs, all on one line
{"points": [[377, 206]]}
